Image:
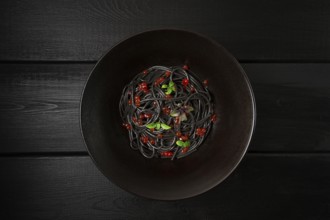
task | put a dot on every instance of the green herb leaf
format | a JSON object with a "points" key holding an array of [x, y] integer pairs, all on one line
{"points": [[165, 126], [186, 144], [179, 143], [173, 88], [171, 84], [151, 125], [190, 109], [158, 126], [169, 91], [183, 117], [175, 113], [164, 86]]}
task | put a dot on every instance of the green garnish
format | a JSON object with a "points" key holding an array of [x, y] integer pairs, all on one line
{"points": [[165, 126], [183, 143], [169, 88], [158, 125]]}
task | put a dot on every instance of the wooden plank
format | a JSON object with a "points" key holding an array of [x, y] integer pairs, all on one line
{"points": [[293, 106], [263, 187], [84, 30], [39, 107]]}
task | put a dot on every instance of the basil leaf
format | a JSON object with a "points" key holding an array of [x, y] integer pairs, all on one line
{"points": [[151, 125], [190, 109], [158, 126], [164, 86], [186, 144], [169, 91], [175, 113], [171, 84], [179, 143], [183, 117], [165, 126]]}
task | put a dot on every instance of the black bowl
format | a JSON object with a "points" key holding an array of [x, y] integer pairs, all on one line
{"points": [[108, 144]]}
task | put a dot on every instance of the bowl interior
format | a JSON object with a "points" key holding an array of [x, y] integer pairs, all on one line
{"points": [[108, 142]]}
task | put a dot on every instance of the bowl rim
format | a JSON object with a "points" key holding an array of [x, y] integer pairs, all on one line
{"points": [[251, 94]]}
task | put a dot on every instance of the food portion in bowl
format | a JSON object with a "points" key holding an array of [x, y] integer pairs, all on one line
{"points": [[167, 111]]}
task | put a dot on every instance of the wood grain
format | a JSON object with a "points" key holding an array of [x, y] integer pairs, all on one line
{"points": [[288, 187], [84, 30], [39, 107]]}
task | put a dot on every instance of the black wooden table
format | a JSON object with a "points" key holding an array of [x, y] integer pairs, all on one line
{"points": [[48, 48]]}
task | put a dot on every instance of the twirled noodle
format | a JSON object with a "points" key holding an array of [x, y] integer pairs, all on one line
{"points": [[185, 112]]}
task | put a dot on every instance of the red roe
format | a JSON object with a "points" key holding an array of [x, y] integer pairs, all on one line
{"points": [[167, 154], [185, 150], [185, 67], [143, 87], [185, 82], [200, 132], [144, 139], [159, 81], [206, 82], [192, 90], [167, 73], [137, 101], [166, 110], [127, 126], [147, 115], [134, 119], [184, 137], [214, 118]]}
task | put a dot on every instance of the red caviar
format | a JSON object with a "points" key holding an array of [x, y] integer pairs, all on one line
{"points": [[147, 115], [167, 154], [192, 90], [184, 150], [134, 119], [184, 137], [167, 73], [159, 81], [127, 126], [143, 87], [213, 117], [137, 101], [206, 82], [166, 110], [144, 139], [200, 131], [185, 82]]}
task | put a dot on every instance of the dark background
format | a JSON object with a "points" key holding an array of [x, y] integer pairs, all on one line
{"points": [[48, 48]]}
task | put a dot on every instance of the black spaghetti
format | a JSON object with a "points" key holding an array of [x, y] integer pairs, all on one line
{"points": [[167, 111]]}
